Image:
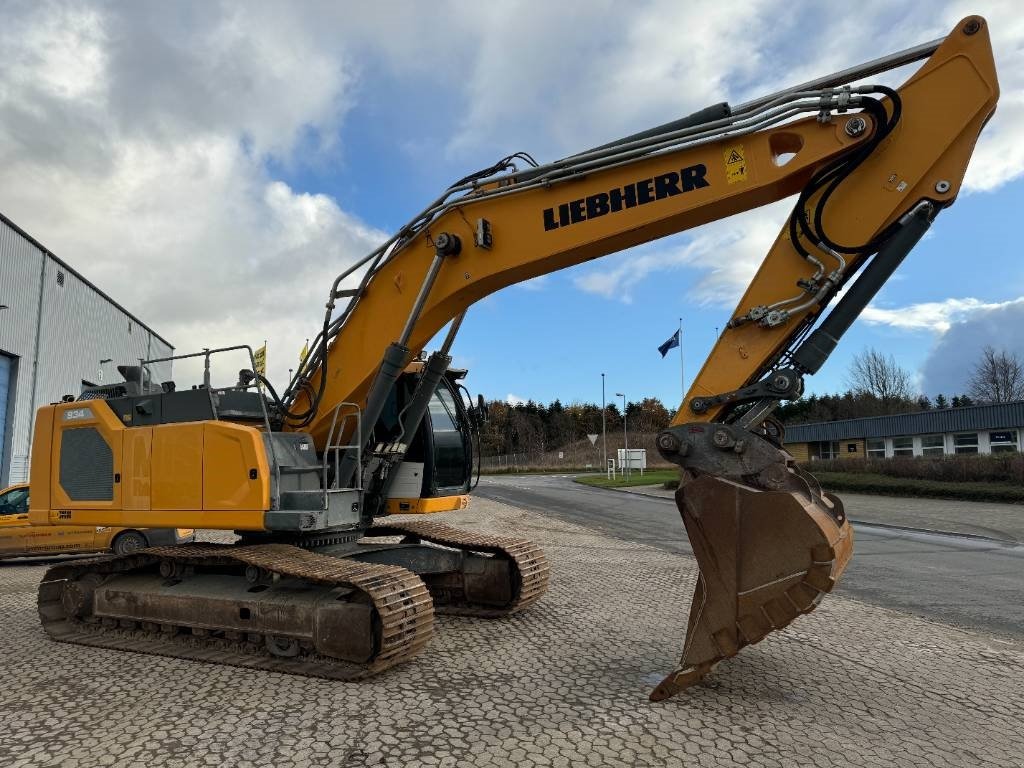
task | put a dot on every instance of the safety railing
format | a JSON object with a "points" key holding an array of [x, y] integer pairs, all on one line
{"points": [[332, 450]]}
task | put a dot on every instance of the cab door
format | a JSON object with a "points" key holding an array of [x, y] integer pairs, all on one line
{"points": [[14, 527]]}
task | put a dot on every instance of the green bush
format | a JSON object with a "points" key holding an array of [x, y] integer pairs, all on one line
{"points": [[863, 482], [995, 468]]}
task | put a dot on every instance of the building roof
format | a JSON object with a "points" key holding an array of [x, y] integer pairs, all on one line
{"points": [[67, 267], [969, 419]]}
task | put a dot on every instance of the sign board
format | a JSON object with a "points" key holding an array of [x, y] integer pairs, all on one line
{"points": [[561, 454], [592, 439], [637, 458]]}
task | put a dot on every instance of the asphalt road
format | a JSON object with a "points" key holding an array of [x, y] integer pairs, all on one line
{"points": [[966, 581]]}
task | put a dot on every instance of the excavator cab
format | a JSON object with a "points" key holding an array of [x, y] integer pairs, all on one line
{"points": [[436, 473]]}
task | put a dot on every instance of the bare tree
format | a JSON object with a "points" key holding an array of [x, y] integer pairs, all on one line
{"points": [[876, 374], [998, 377]]}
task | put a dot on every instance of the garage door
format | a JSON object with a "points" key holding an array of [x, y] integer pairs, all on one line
{"points": [[5, 388]]}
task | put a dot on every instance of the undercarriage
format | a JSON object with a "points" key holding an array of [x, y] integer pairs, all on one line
{"points": [[342, 610]]}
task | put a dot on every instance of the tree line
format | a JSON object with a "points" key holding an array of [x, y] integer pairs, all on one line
{"points": [[876, 386], [533, 427]]}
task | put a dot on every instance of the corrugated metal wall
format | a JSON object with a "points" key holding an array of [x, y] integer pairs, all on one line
{"points": [[967, 419], [79, 327], [21, 266]]}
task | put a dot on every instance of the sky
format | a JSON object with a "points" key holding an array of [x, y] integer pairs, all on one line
{"points": [[214, 165]]}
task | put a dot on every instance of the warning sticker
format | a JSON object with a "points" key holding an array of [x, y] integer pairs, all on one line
{"points": [[735, 164]]}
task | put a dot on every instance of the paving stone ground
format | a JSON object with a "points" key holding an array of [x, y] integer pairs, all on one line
{"points": [[562, 684]]}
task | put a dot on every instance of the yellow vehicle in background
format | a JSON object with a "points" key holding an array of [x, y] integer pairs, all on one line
{"points": [[19, 539]]}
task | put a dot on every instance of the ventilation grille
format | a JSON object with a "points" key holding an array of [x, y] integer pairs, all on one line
{"points": [[86, 465]]}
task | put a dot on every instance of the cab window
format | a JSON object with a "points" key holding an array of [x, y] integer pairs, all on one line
{"points": [[14, 502]]}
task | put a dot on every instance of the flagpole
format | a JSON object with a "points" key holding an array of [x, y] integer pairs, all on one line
{"points": [[682, 370]]}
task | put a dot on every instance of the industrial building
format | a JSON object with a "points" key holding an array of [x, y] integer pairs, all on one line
{"points": [[994, 428], [58, 332]]}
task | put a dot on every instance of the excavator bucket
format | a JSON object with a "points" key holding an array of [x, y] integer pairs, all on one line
{"points": [[765, 557]]}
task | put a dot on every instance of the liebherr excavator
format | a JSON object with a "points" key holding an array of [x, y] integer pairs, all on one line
{"points": [[317, 583]]}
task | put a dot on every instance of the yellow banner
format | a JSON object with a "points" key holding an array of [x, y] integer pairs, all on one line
{"points": [[304, 353], [260, 359]]}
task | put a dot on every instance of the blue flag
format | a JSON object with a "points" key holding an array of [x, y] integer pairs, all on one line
{"points": [[670, 344]]}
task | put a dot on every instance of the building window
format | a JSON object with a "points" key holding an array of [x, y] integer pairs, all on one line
{"points": [[876, 448], [903, 446], [966, 442], [60, 279], [933, 445], [828, 450], [1003, 442]]}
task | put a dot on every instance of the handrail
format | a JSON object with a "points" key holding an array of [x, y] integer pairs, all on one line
{"points": [[329, 448]]}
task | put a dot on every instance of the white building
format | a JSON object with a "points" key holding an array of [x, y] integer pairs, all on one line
{"points": [[58, 331]]}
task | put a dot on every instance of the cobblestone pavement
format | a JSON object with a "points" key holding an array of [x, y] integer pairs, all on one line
{"points": [[564, 683], [981, 518]]}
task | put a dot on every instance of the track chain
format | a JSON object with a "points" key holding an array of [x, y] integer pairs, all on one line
{"points": [[531, 566], [401, 598]]}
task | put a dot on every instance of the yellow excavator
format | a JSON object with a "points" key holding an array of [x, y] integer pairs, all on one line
{"points": [[321, 583]]}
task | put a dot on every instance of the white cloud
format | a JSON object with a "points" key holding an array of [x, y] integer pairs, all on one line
{"points": [[594, 71], [961, 327], [134, 145], [950, 362], [514, 399], [935, 316], [726, 253]]}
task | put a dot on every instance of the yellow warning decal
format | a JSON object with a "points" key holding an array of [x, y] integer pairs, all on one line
{"points": [[735, 164]]}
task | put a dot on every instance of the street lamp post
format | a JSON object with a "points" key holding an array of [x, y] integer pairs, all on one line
{"points": [[625, 436], [604, 432]]}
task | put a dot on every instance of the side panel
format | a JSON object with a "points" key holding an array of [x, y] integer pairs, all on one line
{"points": [[408, 482], [86, 457], [236, 472], [136, 480], [152, 477], [177, 466]]}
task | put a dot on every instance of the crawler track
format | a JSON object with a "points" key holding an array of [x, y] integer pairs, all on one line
{"points": [[400, 598], [530, 566]]}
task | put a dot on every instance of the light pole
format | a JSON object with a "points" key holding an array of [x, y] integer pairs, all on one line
{"points": [[625, 437], [604, 432]]}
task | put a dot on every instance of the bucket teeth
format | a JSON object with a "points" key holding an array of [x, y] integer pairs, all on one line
{"points": [[765, 558]]}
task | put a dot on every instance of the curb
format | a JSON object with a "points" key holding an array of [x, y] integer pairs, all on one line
{"points": [[936, 532]]}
